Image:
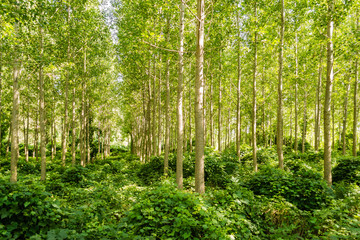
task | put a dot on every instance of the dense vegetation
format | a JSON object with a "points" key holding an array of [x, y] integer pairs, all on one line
{"points": [[152, 119], [122, 198]]}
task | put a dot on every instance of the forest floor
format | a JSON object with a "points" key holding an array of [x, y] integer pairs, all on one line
{"points": [[122, 198]]}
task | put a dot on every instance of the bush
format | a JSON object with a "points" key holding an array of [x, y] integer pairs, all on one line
{"points": [[151, 171], [26, 210], [306, 189], [168, 213], [75, 175], [347, 169]]}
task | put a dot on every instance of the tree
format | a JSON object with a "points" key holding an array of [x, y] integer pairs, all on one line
{"points": [[199, 91]]}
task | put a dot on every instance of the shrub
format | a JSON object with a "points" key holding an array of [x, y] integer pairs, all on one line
{"points": [[75, 175], [26, 210], [348, 170], [168, 213], [151, 171], [306, 189]]}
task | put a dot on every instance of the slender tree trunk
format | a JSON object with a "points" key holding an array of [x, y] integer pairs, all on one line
{"points": [[329, 83], [199, 91], [219, 104], [343, 136], [190, 129], [15, 117], [36, 137], [290, 131], [355, 100], [180, 126], [159, 137], [296, 96], [167, 112], [154, 123], [253, 119], [279, 130], [1, 87], [88, 150], [27, 132], [73, 130], [211, 112], [318, 106], [42, 111], [305, 123]]}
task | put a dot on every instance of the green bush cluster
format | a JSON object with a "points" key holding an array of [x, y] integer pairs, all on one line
{"points": [[306, 189], [347, 170], [26, 210], [165, 213]]}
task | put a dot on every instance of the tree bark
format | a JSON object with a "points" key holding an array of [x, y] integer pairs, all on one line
{"points": [[318, 106], [219, 104], [296, 96], [329, 83], [253, 118], [355, 101], [15, 117], [73, 130], [305, 123], [279, 130], [167, 110], [180, 126], [199, 91], [42, 110], [343, 135]]}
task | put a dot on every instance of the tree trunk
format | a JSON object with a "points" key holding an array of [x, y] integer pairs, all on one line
{"points": [[199, 91], [42, 111], [1, 87], [153, 119], [167, 110], [15, 117], [88, 132], [318, 106], [27, 133], [343, 135], [36, 137], [279, 130], [296, 96], [219, 105], [253, 119], [329, 83], [73, 130], [180, 126], [305, 123], [355, 101], [159, 111], [190, 132]]}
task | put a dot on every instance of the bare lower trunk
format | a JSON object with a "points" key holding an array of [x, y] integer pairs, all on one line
{"points": [[343, 135], [219, 105], [296, 97], [42, 111], [355, 101], [167, 111], [73, 131], [199, 91], [329, 83], [253, 118], [279, 130], [318, 106], [15, 119], [180, 126], [305, 123]]}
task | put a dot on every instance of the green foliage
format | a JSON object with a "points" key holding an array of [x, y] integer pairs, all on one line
{"points": [[26, 210], [168, 213], [347, 169], [305, 189]]}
